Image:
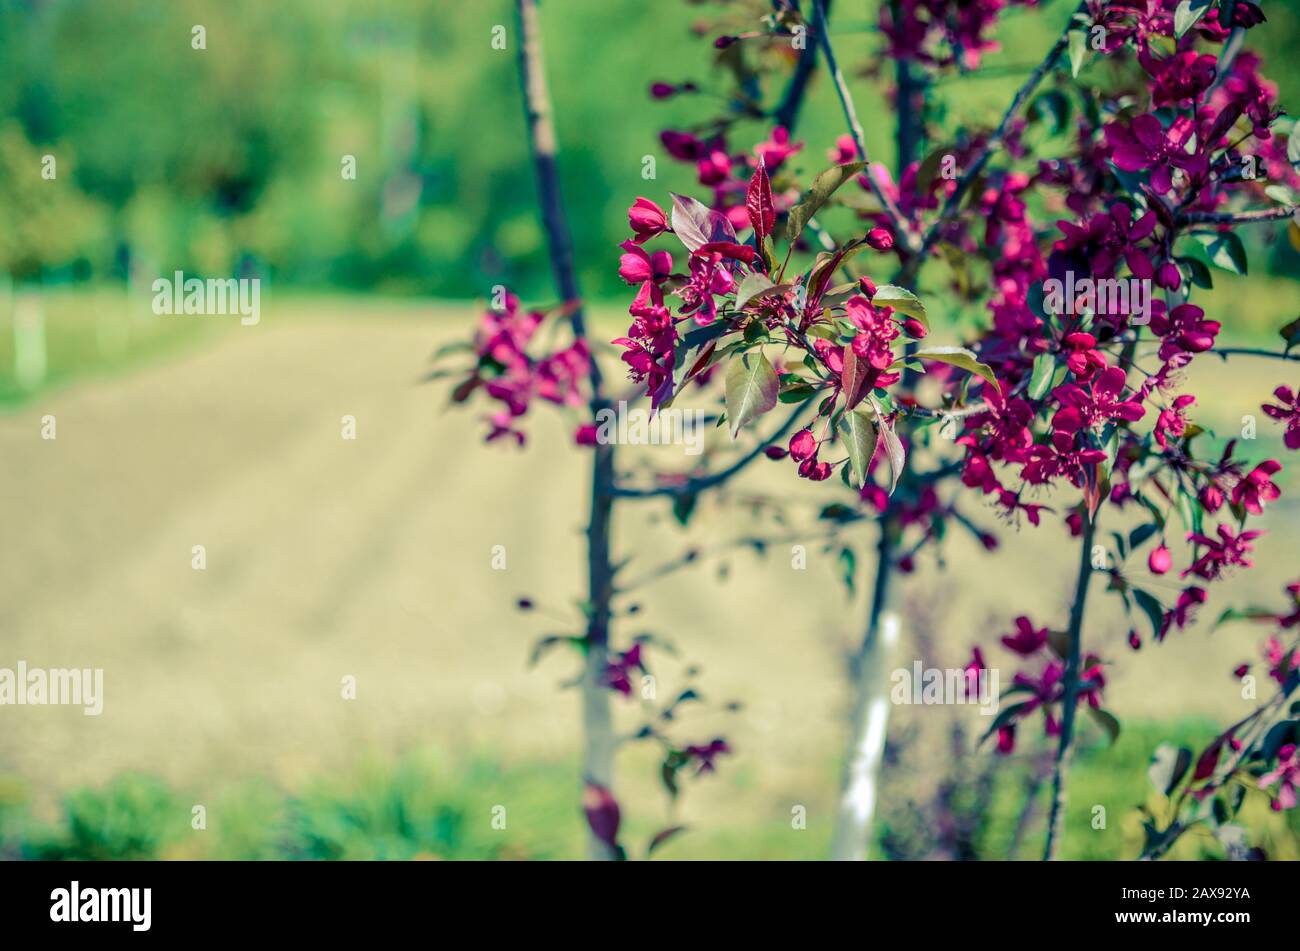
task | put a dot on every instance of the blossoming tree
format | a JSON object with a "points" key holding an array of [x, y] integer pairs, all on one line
{"points": [[1071, 386], [1083, 222]]}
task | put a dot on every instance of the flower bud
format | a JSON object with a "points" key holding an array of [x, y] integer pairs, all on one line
{"points": [[867, 286], [803, 445], [1169, 277], [880, 239], [914, 328], [1159, 561]]}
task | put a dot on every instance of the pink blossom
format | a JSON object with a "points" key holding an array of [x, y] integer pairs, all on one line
{"points": [[646, 219], [1287, 410], [1257, 489]]}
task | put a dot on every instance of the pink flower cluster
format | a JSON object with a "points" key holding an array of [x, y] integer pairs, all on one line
{"points": [[509, 374], [943, 32], [1041, 687]]}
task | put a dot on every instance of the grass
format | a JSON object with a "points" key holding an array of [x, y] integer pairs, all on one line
{"points": [[431, 806]]}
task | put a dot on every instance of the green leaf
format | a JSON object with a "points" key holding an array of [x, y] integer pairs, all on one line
{"points": [[1187, 13], [1141, 534], [1293, 146], [1197, 272], [1107, 722], [903, 301], [751, 389], [1224, 250], [811, 201], [1040, 381], [859, 435], [894, 451], [958, 357], [1005, 715], [1078, 51], [1151, 607], [1291, 333], [1243, 614], [1168, 765], [684, 507], [753, 285], [1280, 193], [797, 392], [848, 568]]}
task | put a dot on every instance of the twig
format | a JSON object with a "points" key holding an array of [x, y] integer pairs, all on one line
{"points": [[994, 142], [698, 484], [1237, 217], [786, 113], [694, 556], [902, 228], [1255, 352], [1061, 766]]}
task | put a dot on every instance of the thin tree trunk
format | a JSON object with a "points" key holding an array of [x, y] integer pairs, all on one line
{"points": [[909, 101], [1074, 652], [787, 112], [869, 712], [871, 666], [597, 722]]}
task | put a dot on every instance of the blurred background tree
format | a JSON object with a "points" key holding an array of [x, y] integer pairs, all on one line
{"points": [[215, 159]]}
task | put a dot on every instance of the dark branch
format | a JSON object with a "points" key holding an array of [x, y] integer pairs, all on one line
{"points": [[698, 484]]}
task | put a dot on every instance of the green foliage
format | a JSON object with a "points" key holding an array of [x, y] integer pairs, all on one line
{"points": [[422, 807], [433, 807], [135, 817], [205, 159]]}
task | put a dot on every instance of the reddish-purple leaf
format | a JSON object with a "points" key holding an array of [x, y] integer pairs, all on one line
{"points": [[729, 249], [602, 813], [758, 202], [662, 836], [853, 380], [696, 224]]}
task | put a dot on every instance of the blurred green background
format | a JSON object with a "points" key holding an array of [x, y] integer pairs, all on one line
{"points": [[209, 160], [330, 558]]}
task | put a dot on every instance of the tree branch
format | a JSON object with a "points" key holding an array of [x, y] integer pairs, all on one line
{"points": [[1254, 352], [698, 484], [901, 226], [1237, 217], [994, 141], [786, 113], [545, 149], [1061, 765]]}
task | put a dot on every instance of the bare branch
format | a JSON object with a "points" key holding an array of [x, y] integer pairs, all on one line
{"points": [[698, 484], [542, 138], [902, 228], [1237, 217], [1070, 696], [1226, 352]]}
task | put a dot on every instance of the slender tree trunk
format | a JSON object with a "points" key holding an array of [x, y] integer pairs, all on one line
{"points": [[597, 722], [870, 668], [1074, 652], [787, 111], [910, 103], [869, 711]]}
